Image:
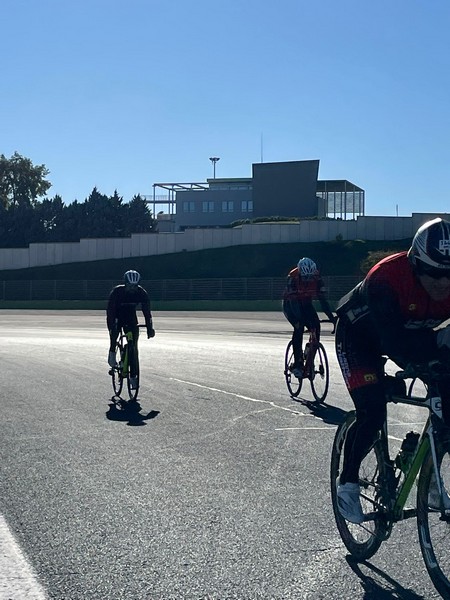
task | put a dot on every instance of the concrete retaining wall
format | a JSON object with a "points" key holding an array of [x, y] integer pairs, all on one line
{"points": [[149, 244]]}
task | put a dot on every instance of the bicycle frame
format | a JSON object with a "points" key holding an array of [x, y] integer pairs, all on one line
{"points": [[309, 352], [433, 403], [426, 442], [125, 356], [122, 371]]}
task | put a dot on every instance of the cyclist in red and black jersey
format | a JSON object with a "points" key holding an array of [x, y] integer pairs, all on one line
{"points": [[392, 313], [121, 313], [304, 284]]}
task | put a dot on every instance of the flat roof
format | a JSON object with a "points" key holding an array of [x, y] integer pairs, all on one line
{"points": [[323, 185], [337, 185]]}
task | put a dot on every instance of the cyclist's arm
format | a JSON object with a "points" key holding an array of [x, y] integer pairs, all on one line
{"points": [[111, 310], [326, 308], [146, 310]]}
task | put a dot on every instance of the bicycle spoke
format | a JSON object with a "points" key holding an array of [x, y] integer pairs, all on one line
{"points": [[320, 375], [362, 540], [433, 526], [294, 385], [116, 372]]}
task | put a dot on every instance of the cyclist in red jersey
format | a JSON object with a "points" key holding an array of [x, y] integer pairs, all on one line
{"points": [[304, 284], [392, 313]]}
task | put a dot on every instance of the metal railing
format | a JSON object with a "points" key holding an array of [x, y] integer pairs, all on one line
{"points": [[239, 288]]}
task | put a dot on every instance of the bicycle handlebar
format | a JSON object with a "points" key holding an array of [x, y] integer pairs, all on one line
{"points": [[432, 371]]}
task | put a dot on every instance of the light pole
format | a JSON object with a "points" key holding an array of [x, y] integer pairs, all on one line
{"points": [[214, 159]]}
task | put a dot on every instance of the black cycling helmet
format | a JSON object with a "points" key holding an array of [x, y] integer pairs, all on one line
{"points": [[131, 277], [430, 248]]}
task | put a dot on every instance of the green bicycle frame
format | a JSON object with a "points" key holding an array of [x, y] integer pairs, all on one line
{"points": [[129, 337], [405, 488], [434, 404]]}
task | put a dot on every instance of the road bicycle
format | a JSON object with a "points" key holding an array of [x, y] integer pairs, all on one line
{"points": [[315, 367], [386, 484], [126, 351]]}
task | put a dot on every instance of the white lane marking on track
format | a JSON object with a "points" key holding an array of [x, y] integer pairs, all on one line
{"points": [[17, 580], [302, 428], [207, 387]]}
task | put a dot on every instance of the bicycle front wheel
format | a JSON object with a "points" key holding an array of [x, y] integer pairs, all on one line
{"points": [[363, 540], [294, 385], [116, 372], [434, 527], [320, 374], [133, 382]]}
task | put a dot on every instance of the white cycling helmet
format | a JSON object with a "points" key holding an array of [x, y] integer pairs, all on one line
{"points": [[430, 248], [307, 267], [131, 277]]}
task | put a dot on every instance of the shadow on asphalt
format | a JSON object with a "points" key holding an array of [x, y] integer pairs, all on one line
{"points": [[331, 415], [385, 588], [129, 412]]}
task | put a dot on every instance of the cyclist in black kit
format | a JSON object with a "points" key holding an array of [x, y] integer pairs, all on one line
{"points": [[394, 313], [121, 314]]}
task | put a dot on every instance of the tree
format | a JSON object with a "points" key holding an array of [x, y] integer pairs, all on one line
{"points": [[21, 182], [138, 216], [50, 216]]}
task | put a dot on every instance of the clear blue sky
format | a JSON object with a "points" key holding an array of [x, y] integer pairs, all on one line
{"points": [[124, 94]]}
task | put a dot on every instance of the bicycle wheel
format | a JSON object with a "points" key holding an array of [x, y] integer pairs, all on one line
{"points": [[434, 528], [320, 374], [294, 385], [362, 541], [132, 391], [116, 371]]}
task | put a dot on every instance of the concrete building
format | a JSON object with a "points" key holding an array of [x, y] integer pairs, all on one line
{"points": [[282, 189]]}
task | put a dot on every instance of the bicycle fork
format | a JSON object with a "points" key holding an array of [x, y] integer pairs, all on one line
{"points": [[125, 360]]}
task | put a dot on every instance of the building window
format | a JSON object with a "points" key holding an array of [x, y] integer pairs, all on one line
{"points": [[247, 205], [208, 206], [227, 206], [188, 206]]}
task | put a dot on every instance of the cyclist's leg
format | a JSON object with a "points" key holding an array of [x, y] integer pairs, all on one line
{"points": [[294, 315], [370, 405], [311, 320], [362, 368], [133, 349], [113, 336]]}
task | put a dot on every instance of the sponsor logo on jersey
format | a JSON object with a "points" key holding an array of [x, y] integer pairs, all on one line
{"points": [[370, 377]]}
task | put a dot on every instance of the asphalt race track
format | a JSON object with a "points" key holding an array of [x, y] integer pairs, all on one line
{"points": [[217, 488]]}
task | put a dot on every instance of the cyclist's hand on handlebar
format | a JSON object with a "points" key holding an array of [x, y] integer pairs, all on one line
{"points": [[150, 333], [426, 371]]}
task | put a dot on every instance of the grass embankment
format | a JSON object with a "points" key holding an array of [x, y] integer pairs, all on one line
{"points": [[337, 258], [265, 260]]}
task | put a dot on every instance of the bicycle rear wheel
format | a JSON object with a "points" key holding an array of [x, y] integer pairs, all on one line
{"points": [[116, 371], [362, 541], [433, 527], [320, 374], [294, 385]]}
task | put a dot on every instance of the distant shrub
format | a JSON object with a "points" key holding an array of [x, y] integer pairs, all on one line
{"points": [[373, 257]]}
